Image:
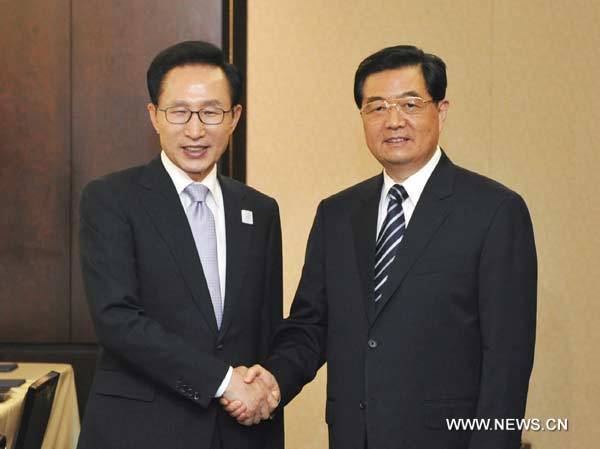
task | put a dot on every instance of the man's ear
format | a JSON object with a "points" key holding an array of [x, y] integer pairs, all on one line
{"points": [[152, 111], [443, 112], [237, 113]]}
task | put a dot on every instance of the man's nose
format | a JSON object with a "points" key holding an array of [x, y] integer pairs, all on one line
{"points": [[395, 118], [194, 128]]}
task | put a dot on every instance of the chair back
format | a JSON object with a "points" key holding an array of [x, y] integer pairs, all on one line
{"points": [[36, 412]]}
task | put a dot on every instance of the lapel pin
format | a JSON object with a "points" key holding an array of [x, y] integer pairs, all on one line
{"points": [[247, 217]]}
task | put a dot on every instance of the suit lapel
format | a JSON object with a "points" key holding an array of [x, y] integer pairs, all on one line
{"points": [[364, 225], [432, 210], [161, 201], [238, 237]]}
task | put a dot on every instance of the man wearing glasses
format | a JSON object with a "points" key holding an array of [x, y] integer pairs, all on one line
{"points": [[182, 270], [419, 284]]}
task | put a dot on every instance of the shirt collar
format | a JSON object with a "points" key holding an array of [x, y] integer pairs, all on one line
{"points": [[415, 183], [181, 179]]}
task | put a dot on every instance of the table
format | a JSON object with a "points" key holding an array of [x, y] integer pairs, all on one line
{"points": [[63, 425]]}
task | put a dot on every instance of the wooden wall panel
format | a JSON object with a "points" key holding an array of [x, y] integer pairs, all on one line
{"points": [[113, 44], [35, 171]]}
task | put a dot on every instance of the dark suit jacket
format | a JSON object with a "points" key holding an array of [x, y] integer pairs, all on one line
{"points": [[453, 335], [162, 357]]}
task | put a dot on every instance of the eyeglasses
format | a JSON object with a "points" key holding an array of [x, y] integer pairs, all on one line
{"points": [[179, 115], [378, 109]]}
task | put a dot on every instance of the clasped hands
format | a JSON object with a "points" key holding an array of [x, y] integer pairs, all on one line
{"points": [[252, 395]]}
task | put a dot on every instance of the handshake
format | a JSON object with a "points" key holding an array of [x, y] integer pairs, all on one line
{"points": [[252, 395]]}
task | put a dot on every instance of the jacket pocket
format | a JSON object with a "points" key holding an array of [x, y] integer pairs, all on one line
{"points": [[437, 412], [451, 264], [124, 385]]}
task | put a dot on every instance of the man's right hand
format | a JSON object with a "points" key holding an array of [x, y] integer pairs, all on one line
{"points": [[252, 395]]}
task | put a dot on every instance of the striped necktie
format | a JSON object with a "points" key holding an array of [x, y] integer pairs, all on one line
{"points": [[390, 236]]}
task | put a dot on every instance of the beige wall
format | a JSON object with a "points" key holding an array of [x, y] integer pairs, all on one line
{"points": [[524, 98]]}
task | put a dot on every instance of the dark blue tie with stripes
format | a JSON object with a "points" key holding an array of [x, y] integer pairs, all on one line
{"points": [[390, 236]]}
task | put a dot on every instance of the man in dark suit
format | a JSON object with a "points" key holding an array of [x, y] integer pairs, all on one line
{"points": [[182, 270], [419, 285]]}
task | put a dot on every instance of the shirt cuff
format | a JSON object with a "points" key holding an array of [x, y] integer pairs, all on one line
{"points": [[225, 383]]}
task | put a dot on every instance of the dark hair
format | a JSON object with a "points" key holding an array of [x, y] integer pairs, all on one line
{"points": [[190, 53], [432, 67]]}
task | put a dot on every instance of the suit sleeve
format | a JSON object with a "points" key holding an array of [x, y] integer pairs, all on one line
{"points": [[122, 327], [507, 310], [272, 316], [300, 342], [272, 311]]}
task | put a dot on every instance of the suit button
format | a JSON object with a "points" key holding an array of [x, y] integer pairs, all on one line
{"points": [[362, 405], [372, 343], [220, 347], [196, 396]]}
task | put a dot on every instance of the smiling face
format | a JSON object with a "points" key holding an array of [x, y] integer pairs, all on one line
{"points": [[194, 147], [402, 143]]}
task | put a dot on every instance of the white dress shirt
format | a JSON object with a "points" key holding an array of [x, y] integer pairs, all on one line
{"points": [[413, 185], [214, 201]]}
